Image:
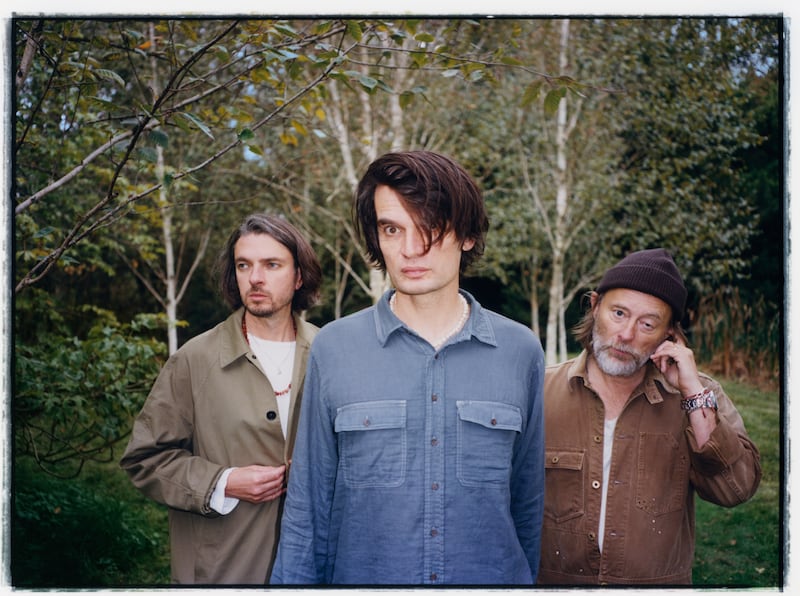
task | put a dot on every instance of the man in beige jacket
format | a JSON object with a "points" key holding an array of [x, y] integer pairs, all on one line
{"points": [[214, 439]]}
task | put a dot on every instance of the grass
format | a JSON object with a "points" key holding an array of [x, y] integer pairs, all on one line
{"points": [[743, 546]]}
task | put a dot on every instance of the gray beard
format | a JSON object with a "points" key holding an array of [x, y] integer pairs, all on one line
{"points": [[613, 367]]}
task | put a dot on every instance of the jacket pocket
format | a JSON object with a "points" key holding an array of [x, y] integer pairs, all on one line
{"points": [[662, 474], [372, 443], [563, 483], [485, 443]]}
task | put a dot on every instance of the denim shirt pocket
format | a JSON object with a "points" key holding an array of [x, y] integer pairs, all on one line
{"points": [[564, 496], [486, 431], [372, 443]]}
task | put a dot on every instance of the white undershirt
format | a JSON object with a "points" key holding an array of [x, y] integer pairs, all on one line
{"points": [[608, 444], [276, 359]]}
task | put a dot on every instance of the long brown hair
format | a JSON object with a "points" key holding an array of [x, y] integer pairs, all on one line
{"points": [[305, 259]]}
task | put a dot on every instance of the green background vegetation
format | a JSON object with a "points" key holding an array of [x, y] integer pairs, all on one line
{"points": [[139, 144]]}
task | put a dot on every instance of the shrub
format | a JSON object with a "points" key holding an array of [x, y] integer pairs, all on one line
{"points": [[72, 534]]}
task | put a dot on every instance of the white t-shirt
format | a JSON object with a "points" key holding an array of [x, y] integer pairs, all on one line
{"points": [[608, 444], [276, 359]]}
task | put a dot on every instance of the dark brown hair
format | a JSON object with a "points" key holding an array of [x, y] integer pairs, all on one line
{"points": [[583, 330], [305, 259], [438, 193]]}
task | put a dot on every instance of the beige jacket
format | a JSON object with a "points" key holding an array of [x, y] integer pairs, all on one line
{"points": [[212, 408]]}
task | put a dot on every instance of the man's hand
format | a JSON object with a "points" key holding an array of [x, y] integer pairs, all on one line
{"points": [[256, 484], [676, 362]]}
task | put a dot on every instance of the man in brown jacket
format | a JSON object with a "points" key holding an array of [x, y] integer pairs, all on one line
{"points": [[632, 432], [214, 439]]}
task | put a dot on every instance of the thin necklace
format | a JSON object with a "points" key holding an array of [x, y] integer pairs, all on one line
{"points": [[456, 328], [247, 339]]}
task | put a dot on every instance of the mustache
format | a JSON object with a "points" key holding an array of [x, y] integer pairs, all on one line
{"points": [[626, 350]]}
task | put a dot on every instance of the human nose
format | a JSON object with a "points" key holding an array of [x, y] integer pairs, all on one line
{"points": [[256, 276], [413, 244], [627, 331]]}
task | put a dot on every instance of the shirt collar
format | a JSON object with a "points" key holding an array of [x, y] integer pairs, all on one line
{"points": [[233, 345], [653, 386], [478, 324]]}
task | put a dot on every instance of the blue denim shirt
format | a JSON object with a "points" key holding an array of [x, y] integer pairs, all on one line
{"points": [[415, 466]]}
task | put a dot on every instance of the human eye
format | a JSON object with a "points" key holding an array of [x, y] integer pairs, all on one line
{"points": [[647, 326], [389, 229], [241, 266]]}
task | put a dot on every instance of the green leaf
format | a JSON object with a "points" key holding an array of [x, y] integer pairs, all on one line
{"points": [[354, 29], [147, 154], [424, 37], [245, 134], [368, 82], [109, 75], [194, 121], [531, 93], [159, 137], [552, 99]]}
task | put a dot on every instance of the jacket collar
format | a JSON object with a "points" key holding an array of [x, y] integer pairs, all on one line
{"points": [[478, 324], [653, 386], [234, 346]]}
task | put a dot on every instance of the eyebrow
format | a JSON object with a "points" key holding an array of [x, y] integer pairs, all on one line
{"points": [[653, 315]]}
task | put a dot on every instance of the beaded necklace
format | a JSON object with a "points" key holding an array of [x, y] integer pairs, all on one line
{"points": [[456, 328], [244, 331]]}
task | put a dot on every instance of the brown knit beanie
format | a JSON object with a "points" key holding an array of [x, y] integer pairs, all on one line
{"points": [[651, 271]]}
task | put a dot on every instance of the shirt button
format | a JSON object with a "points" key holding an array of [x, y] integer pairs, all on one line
{"points": [[271, 415], [435, 486], [595, 484], [434, 577], [494, 421], [591, 536], [434, 397], [434, 441], [434, 532], [598, 439], [555, 459], [366, 421]]}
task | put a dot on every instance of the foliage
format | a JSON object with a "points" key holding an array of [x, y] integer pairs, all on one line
{"points": [[123, 125], [739, 339], [75, 398], [82, 533]]}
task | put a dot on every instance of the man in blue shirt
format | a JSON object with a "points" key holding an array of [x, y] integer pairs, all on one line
{"points": [[419, 457]]}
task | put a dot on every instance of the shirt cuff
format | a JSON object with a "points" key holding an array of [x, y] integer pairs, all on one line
{"points": [[219, 502]]}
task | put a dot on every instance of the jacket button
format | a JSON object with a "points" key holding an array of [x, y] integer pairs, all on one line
{"points": [[271, 415], [595, 484]]}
